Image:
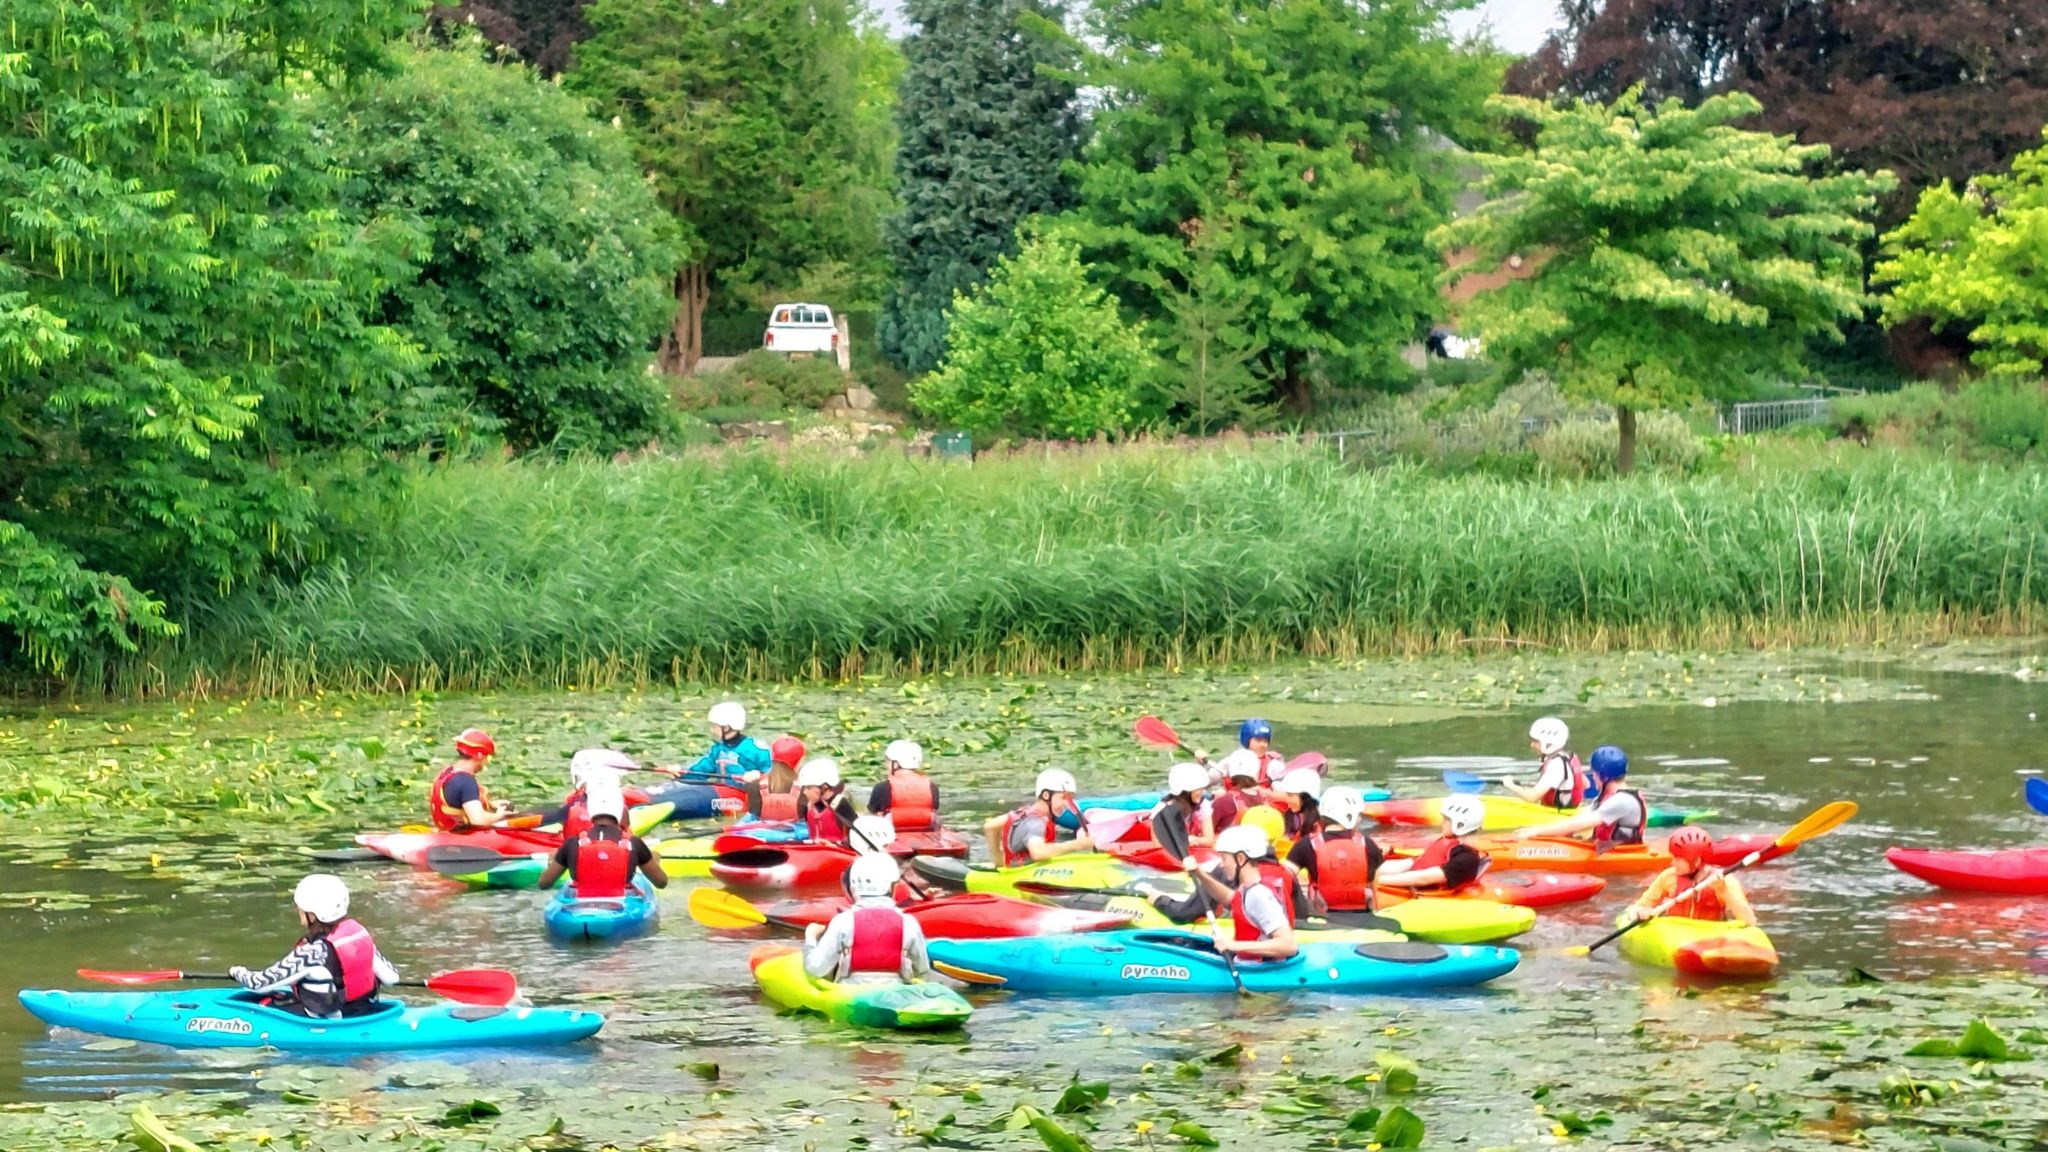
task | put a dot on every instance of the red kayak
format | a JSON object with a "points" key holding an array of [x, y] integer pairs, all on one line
{"points": [[411, 847], [930, 842], [2013, 872], [1523, 889], [965, 916], [804, 869]]}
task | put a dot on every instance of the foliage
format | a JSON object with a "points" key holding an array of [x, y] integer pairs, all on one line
{"points": [[1996, 419], [179, 307], [543, 277], [1679, 256], [540, 32], [1211, 375], [1038, 351], [1931, 91], [764, 382], [1308, 132], [986, 128], [1979, 259]]}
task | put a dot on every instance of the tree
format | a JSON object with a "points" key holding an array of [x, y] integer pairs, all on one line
{"points": [[1679, 256], [543, 277], [541, 32], [986, 126], [1979, 259], [744, 115], [1933, 91], [1038, 351], [1211, 375], [181, 325]]}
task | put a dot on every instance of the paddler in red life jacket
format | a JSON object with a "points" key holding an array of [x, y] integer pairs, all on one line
{"points": [[1254, 749], [1297, 795], [821, 800], [1240, 792], [602, 859], [906, 795], [600, 767], [1261, 899], [1181, 822], [872, 942], [1034, 831], [778, 793], [1616, 815], [334, 970], [1339, 860], [457, 802], [872, 835], [1710, 893], [1448, 862], [1561, 783]]}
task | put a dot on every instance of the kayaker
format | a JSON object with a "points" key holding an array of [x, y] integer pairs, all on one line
{"points": [[1710, 894], [778, 793], [601, 767], [1240, 794], [871, 836], [872, 942], [1616, 815], [602, 860], [1260, 899], [822, 801], [905, 794], [1448, 862], [1296, 795], [1561, 782], [457, 802], [1034, 831], [334, 970], [1181, 822], [1338, 860], [1254, 750], [733, 754]]}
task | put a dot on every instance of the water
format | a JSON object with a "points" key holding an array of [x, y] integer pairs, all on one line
{"points": [[1934, 757]]}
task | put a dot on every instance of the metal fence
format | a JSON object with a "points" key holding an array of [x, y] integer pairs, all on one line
{"points": [[1767, 415]]}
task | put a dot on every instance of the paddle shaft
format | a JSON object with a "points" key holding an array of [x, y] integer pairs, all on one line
{"points": [[1229, 961]]}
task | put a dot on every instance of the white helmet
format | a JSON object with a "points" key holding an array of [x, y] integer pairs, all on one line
{"points": [[323, 897], [1242, 764], [1304, 781], [1186, 777], [818, 772], [587, 765], [907, 754], [605, 798], [1550, 735], [1343, 806], [872, 834], [1465, 814], [729, 714], [1245, 838], [1056, 780], [872, 876]]}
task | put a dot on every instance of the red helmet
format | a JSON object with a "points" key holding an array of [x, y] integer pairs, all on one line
{"points": [[1690, 843], [788, 751], [475, 742]]}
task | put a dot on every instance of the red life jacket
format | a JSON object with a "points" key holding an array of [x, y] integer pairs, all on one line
{"points": [[779, 806], [1436, 855], [824, 824], [352, 961], [1274, 878], [1229, 808], [1606, 836], [576, 821], [877, 941], [1014, 858], [1703, 903], [1570, 798], [910, 802], [1343, 872], [447, 817], [604, 866]]}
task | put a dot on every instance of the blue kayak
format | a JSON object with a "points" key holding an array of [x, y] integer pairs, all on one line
{"points": [[1148, 800], [1164, 961], [701, 801], [571, 917], [232, 1018]]}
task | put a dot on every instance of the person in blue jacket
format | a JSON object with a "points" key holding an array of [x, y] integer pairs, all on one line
{"points": [[733, 754]]}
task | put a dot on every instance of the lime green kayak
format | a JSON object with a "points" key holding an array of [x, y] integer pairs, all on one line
{"points": [[1078, 872], [1701, 947], [779, 970]]}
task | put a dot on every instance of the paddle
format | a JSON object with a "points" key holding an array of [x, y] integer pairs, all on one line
{"points": [[1824, 820], [1313, 761], [1229, 960], [494, 987], [1464, 783], [2036, 793], [467, 859], [1157, 733], [345, 855]]}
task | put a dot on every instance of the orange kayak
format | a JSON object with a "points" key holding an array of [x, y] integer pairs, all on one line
{"points": [[1563, 854]]}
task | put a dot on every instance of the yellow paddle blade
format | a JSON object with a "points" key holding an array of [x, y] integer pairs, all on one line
{"points": [[717, 908], [1824, 820], [966, 975]]}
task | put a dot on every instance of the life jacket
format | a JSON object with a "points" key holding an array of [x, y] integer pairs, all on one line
{"points": [[1343, 872], [352, 961], [910, 802], [1606, 836], [604, 865], [1436, 855], [1229, 808], [1013, 858], [1702, 903], [877, 941], [1581, 783], [824, 823], [1275, 878], [576, 821], [779, 806], [447, 817]]}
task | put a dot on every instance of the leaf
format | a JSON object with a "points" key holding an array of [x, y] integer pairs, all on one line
{"points": [[1193, 1133], [1572, 1123], [1080, 1098], [150, 1134], [702, 1070], [1398, 1074], [109, 1045], [1230, 1055], [1861, 976], [463, 1115], [1933, 1048], [1982, 1042], [1049, 1132], [1398, 1128], [1363, 1120]]}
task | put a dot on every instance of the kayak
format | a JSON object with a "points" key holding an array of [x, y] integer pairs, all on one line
{"points": [[1165, 961], [963, 916], [779, 970], [1701, 947], [411, 847], [686, 859], [924, 842], [1148, 800], [1424, 918], [702, 801], [232, 1018], [1080, 871], [1524, 889], [804, 869], [571, 917], [2012, 871], [1564, 854], [1507, 813]]}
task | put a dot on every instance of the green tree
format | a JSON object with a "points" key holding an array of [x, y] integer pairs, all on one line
{"points": [[1211, 377], [1310, 133], [987, 126], [1038, 351], [180, 320], [543, 279], [1678, 257], [744, 114], [1978, 259]]}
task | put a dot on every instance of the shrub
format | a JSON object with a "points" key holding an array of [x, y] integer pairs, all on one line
{"points": [[764, 381]]}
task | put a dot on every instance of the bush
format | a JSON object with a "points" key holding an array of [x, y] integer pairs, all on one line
{"points": [[1586, 448], [1995, 419], [765, 382]]}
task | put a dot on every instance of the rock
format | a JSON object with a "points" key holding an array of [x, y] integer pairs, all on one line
{"points": [[774, 430], [859, 398]]}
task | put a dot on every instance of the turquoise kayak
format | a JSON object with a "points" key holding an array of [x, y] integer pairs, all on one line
{"points": [[570, 917], [232, 1018], [1117, 963]]}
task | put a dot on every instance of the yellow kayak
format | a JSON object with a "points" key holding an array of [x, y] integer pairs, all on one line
{"points": [[1701, 947]]}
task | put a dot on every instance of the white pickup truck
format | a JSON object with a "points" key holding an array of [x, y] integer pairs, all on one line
{"points": [[802, 328]]}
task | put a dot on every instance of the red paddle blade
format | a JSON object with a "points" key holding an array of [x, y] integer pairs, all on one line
{"points": [[154, 976], [1156, 732], [490, 986]]}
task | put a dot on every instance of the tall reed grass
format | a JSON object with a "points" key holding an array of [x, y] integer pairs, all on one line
{"points": [[755, 566]]}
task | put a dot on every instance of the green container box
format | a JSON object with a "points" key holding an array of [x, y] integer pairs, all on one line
{"points": [[953, 445]]}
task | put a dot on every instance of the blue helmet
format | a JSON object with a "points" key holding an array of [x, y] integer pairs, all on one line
{"points": [[1609, 762], [1253, 729]]}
